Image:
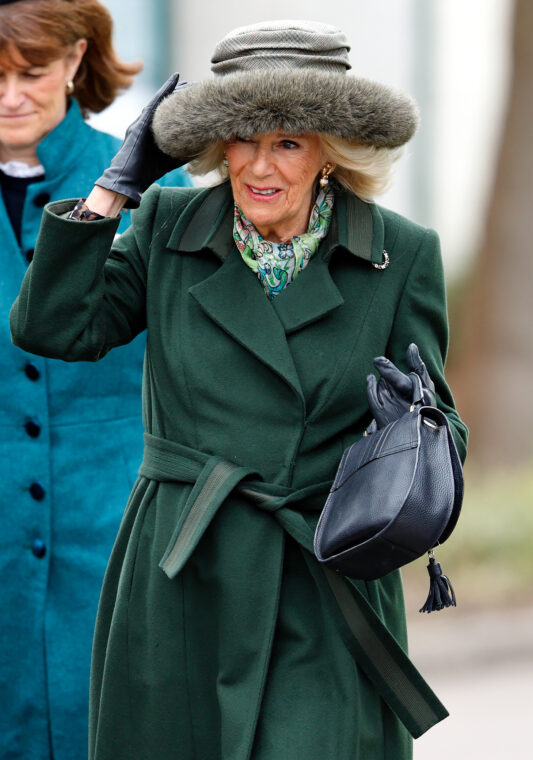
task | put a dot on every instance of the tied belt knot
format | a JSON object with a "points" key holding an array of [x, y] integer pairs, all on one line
{"points": [[373, 647], [214, 478]]}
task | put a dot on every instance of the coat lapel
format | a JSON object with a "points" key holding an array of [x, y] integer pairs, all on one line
{"points": [[309, 298], [313, 294], [235, 300], [357, 227], [233, 297]]}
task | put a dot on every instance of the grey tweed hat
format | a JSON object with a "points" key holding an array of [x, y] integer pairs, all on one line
{"points": [[288, 76]]}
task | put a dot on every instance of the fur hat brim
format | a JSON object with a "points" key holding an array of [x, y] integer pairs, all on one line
{"points": [[293, 102]]}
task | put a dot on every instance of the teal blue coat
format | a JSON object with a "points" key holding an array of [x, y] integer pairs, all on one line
{"points": [[65, 478], [217, 637]]}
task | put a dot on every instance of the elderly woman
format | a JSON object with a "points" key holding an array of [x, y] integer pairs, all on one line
{"points": [[265, 298], [61, 425]]}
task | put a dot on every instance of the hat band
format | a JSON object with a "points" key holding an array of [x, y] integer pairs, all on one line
{"points": [[262, 60]]}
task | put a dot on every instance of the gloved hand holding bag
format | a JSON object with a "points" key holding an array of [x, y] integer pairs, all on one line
{"points": [[392, 395]]}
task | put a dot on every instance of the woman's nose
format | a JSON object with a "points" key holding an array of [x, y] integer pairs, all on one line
{"points": [[11, 93], [262, 162]]}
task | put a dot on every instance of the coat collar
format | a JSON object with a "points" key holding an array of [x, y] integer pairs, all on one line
{"points": [[356, 226], [359, 226], [232, 296]]}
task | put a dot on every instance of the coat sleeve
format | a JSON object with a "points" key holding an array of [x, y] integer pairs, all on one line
{"points": [[84, 293], [422, 318]]}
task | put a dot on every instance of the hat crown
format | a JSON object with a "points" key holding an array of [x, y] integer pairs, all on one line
{"points": [[282, 45]]}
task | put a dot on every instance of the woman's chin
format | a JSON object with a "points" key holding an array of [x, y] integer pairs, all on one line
{"points": [[263, 220], [261, 212]]}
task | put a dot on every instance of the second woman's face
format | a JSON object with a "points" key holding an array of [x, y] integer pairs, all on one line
{"points": [[273, 177], [33, 101]]}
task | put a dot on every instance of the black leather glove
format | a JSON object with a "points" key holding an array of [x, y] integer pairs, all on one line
{"points": [[392, 395], [139, 162]]}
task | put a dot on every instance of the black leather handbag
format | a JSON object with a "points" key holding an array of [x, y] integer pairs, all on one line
{"points": [[397, 494]]}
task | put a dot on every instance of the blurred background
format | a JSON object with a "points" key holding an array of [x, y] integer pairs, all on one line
{"points": [[467, 174]]}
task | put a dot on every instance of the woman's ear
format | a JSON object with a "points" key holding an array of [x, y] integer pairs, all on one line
{"points": [[74, 57]]}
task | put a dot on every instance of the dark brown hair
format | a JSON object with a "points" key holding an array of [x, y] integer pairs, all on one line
{"points": [[44, 30]]}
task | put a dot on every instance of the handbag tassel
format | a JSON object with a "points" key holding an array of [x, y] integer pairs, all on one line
{"points": [[441, 593]]}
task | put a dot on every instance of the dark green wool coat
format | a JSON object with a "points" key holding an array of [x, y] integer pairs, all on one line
{"points": [[215, 639]]}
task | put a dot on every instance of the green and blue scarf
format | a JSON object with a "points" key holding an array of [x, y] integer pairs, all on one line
{"points": [[278, 264]]}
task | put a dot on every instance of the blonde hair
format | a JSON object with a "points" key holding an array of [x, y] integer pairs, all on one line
{"points": [[364, 170]]}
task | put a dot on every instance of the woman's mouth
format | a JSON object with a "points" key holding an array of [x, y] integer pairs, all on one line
{"points": [[262, 193], [14, 115]]}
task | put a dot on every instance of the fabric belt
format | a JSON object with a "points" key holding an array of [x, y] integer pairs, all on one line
{"points": [[373, 647]]}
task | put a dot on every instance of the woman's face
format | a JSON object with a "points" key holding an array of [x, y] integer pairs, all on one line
{"points": [[33, 101], [272, 177]]}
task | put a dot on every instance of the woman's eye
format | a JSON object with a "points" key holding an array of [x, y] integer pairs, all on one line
{"points": [[242, 140], [289, 144], [35, 72]]}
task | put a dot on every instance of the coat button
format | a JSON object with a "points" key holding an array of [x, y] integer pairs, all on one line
{"points": [[32, 371], [38, 548], [41, 200], [32, 428], [37, 491], [28, 255]]}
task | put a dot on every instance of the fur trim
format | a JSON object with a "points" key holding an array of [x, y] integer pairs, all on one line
{"points": [[294, 102]]}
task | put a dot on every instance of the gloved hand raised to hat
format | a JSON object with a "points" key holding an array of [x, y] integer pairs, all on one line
{"points": [[139, 162], [392, 395]]}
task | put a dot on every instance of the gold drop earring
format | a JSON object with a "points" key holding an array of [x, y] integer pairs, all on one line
{"points": [[325, 172], [70, 87]]}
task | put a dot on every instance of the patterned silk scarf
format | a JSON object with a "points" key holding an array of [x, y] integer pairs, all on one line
{"points": [[277, 264]]}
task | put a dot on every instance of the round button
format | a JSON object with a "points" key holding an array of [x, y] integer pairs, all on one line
{"points": [[32, 371], [28, 255], [32, 428], [38, 548], [37, 491], [41, 199]]}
